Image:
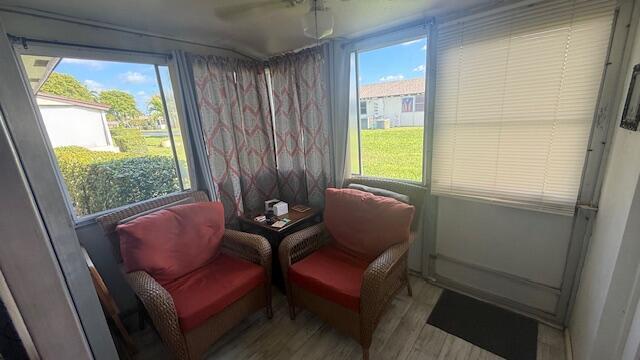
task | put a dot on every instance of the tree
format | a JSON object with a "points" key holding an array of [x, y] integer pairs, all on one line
{"points": [[123, 106], [155, 108], [68, 86]]}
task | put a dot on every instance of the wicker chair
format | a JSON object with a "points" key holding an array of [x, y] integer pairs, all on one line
{"points": [[382, 279], [159, 303]]}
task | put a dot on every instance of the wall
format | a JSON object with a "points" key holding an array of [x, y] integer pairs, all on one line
{"points": [[69, 125], [613, 225], [511, 253], [391, 108]]}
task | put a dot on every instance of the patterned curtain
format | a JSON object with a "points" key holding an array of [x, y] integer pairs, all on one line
{"points": [[236, 122], [302, 126]]}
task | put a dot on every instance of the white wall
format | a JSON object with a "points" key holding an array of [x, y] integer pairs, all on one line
{"points": [[511, 253], [72, 125], [613, 226], [391, 108]]}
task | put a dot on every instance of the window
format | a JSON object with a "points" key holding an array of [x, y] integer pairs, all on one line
{"points": [[419, 103], [390, 138], [407, 104], [113, 127], [363, 108], [515, 99]]}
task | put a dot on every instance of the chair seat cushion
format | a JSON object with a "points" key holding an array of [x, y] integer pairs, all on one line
{"points": [[332, 274], [173, 242], [210, 289]]}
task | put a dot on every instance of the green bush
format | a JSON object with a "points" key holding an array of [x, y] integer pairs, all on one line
{"points": [[129, 140], [100, 180]]}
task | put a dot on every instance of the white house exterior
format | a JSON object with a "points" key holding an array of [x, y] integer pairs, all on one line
{"points": [[71, 122], [401, 102]]}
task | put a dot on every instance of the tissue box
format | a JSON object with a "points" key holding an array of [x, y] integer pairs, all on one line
{"points": [[280, 208]]}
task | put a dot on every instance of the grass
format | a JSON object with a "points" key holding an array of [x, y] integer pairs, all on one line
{"points": [[394, 153]]}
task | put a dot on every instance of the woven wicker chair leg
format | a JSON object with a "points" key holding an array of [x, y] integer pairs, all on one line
{"points": [[409, 291], [365, 353]]}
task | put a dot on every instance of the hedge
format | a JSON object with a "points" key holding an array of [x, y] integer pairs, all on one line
{"points": [[129, 140], [100, 180]]}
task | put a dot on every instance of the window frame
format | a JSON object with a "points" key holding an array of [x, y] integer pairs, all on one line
{"points": [[42, 48], [414, 31]]}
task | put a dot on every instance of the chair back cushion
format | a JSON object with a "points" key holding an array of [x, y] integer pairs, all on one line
{"points": [[172, 242], [365, 224]]}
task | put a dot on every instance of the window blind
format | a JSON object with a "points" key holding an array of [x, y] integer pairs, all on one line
{"points": [[516, 92]]}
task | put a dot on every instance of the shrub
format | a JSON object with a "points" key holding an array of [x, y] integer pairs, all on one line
{"points": [[129, 140], [100, 180]]}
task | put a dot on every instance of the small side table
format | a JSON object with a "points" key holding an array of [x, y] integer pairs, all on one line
{"points": [[298, 221]]}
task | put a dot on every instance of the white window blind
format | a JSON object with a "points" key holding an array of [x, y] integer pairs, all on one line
{"points": [[516, 92]]}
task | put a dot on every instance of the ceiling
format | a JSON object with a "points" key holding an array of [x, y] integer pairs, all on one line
{"points": [[261, 32]]}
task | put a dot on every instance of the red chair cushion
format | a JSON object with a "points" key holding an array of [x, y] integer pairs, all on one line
{"points": [[365, 224], [211, 288], [332, 274], [172, 242]]}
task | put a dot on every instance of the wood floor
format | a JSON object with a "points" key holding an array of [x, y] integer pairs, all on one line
{"points": [[403, 333]]}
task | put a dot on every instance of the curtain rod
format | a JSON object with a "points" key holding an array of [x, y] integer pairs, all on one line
{"points": [[99, 25], [24, 41]]}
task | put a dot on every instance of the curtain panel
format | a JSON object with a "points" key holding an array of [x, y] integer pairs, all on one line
{"points": [[302, 110], [234, 110]]}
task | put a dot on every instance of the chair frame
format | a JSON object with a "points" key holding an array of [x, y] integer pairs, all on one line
{"points": [[157, 300], [382, 279]]}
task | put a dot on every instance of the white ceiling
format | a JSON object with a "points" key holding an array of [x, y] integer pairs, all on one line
{"points": [[260, 32]]}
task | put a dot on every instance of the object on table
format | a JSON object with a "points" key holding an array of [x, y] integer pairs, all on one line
{"points": [[280, 208], [268, 204], [279, 224], [301, 208]]}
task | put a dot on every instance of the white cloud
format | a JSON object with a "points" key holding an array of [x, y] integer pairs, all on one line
{"points": [[133, 77], [141, 93], [93, 85], [93, 64], [411, 42], [424, 47], [392, 77], [419, 68]]}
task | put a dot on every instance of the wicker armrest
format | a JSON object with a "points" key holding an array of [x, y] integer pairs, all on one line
{"points": [[381, 280], [250, 247], [161, 309], [299, 245]]}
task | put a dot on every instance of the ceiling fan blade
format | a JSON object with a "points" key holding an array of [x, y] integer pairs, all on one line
{"points": [[238, 10]]}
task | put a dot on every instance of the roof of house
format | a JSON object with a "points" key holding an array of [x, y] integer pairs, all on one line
{"points": [[62, 100], [392, 88]]}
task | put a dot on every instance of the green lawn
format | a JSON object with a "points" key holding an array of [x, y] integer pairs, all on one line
{"points": [[392, 153]]}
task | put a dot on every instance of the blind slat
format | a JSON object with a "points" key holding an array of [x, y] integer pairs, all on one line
{"points": [[515, 97]]}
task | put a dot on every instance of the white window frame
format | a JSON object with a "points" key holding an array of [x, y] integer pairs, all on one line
{"points": [[35, 47], [409, 32]]}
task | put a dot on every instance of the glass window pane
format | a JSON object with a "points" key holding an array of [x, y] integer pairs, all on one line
{"points": [[106, 130], [354, 140], [392, 90], [176, 130]]}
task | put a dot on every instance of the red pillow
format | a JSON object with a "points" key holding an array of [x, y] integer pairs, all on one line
{"points": [[365, 224], [172, 242]]}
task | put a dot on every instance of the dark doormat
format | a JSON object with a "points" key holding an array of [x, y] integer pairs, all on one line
{"points": [[506, 334]]}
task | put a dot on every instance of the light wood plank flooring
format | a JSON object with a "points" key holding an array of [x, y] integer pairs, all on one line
{"points": [[403, 333]]}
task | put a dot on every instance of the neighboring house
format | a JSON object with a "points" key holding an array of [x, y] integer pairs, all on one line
{"points": [[71, 122], [401, 102]]}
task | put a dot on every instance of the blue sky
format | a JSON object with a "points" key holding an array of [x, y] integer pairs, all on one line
{"points": [[137, 79], [402, 61], [398, 62]]}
